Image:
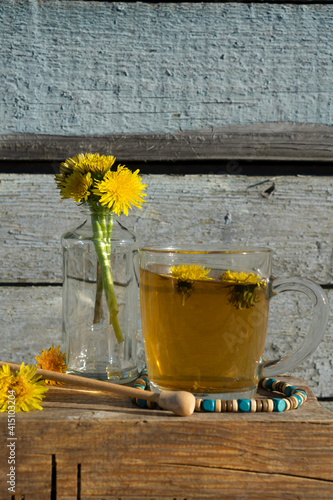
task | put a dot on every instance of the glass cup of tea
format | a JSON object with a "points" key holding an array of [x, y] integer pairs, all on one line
{"points": [[204, 319]]}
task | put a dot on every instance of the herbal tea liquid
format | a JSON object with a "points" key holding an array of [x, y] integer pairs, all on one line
{"points": [[199, 337]]}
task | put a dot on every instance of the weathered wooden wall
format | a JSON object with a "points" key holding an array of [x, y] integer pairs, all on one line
{"points": [[296, 222], [78, 67], [99, 68]]}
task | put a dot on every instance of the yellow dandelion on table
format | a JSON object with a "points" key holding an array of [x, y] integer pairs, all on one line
{"points": [[22, 390], [52, 359], [120, 190], [190, 272]]}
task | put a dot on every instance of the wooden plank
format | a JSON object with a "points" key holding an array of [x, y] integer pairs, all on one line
{"points": [[295, 219], [78, 68], [30, 320], [203, 456], [328, 404], [268, 141]]}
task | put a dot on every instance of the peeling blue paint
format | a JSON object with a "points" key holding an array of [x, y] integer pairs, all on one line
{"points": [[78, 67]]}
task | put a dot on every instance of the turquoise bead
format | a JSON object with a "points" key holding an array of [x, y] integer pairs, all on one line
{"points": [[288, 390], [269, 383], [244, 405], [137, 386], [301, 392], [279, 404], [299, 399], [142, 403], [208, 405]]}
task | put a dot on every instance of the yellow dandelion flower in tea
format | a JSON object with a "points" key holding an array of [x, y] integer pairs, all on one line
{"points": [[22, 390], [120, 190], [242, 294], [242, 277], [185, 275], [190, 272], [52, 359], [76, 186]]}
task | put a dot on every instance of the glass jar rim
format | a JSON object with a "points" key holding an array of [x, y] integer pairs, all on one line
{"points": [[205, 249]]}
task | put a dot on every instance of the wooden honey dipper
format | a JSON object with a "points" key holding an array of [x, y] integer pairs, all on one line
{"points": [[179, 402]]}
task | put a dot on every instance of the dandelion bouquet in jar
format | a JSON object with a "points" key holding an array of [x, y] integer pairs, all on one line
{"points": [[91, 180]]}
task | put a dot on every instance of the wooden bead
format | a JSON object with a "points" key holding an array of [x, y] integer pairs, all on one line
{"points": [[263, 382], [293, 402], [288, 406], [223, 406], [282, 387], [296, 401], [198, 405], [229, 405], [265, 405], [259, 404], [234, 405], [270, 405], [218, 406], [253, 406]]}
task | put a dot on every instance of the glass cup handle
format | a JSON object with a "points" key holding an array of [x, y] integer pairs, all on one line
{"points": [[317, 327]]}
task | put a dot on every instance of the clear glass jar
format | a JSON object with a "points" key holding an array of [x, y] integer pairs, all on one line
{"points": [[93, 348]]}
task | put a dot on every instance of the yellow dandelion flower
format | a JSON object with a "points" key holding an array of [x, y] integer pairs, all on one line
{"points": [[121, 189], [52, 359], [22, 390], [190, 272], [242, 277], [76, 186], [66, 169], [243, 291], [89, 162], [87, 178], [185, 275], [77, 174]]}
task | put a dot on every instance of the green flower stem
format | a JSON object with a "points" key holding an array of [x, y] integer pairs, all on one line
{"points": [[109, 231], [103, 249], [98, 311]]}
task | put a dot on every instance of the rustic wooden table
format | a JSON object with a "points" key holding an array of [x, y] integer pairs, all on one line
{"points": [[86, 445]]}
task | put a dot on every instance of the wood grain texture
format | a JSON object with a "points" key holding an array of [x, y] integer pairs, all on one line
{"points": [[268, 141], [76, 68], [30, 320], [284, 455], [296, 221], [328, 404]]}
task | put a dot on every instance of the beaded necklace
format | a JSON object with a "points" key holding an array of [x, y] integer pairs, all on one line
{"points": [[294, 398]]}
